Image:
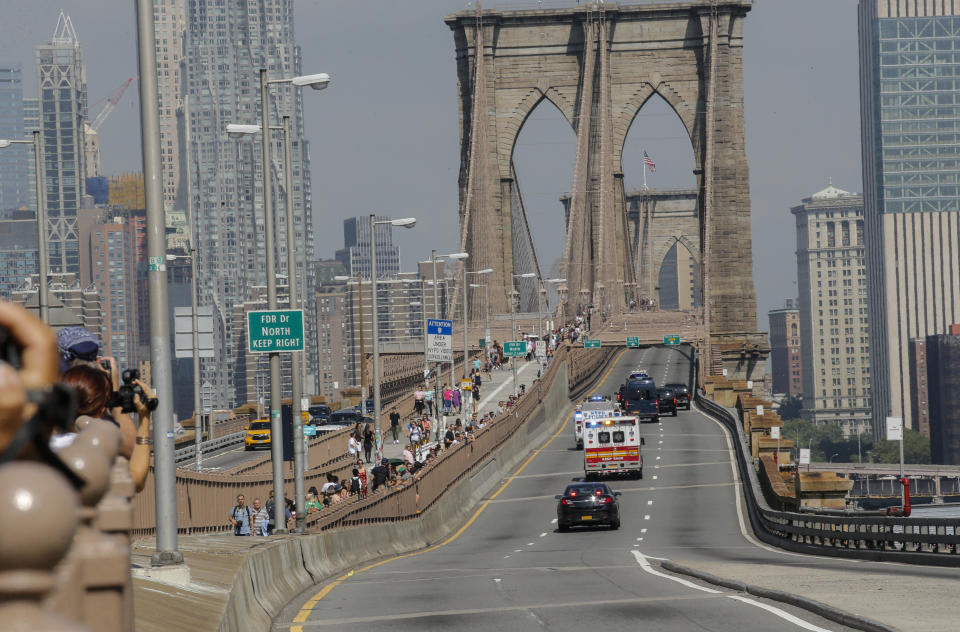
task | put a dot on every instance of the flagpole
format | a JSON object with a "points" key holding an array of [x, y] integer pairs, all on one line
{"points": [[644, 175]]}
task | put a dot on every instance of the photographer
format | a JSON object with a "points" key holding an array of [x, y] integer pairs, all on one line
{"points": [[97, 397]]}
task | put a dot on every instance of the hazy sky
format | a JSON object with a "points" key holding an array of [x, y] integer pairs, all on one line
{"points": [[384, 135]]}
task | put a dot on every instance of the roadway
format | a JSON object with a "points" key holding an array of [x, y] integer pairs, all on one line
{"points": [[510, 569]]}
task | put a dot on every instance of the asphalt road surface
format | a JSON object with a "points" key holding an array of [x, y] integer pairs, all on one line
{"points": [[510, 569]]}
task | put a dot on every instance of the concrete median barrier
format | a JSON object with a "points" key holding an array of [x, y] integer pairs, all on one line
{"points": [[242, 583]]}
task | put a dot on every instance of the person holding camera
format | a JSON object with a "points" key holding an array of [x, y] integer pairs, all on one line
{"points": [[101, 395]]}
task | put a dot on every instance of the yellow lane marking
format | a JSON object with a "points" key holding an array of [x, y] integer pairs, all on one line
{"points": [[311, 603]]}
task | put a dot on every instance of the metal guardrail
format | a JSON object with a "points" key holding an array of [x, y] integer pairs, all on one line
{"points": [[185, 454], [921, 540]]}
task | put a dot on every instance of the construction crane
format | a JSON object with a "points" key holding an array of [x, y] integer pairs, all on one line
{"points": [[111, 102]]}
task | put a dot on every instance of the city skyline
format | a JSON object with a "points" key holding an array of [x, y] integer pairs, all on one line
{"points": [[413, 140]]}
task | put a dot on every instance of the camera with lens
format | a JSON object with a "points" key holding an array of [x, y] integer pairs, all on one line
{"points": [[127, 391]]}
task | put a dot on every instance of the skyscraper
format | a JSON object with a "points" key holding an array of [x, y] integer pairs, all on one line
{"points": [[227, 43], [834, 332], [62, 82], [910, 121], [169, 21], [355, 255], [785, 355], [14, 174]]}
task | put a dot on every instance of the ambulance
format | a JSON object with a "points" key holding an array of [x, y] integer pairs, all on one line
{"points": [[611, 445], [594, 407]]}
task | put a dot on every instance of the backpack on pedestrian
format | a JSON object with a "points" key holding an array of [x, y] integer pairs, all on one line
{"points": [[356, 486]]}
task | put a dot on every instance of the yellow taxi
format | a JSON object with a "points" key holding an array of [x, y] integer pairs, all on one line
{"points": [[258, 434]]}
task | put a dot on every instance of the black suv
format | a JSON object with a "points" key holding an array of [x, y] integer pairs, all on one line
{"points": [[667, 401], [319, 413], [682, 393]]}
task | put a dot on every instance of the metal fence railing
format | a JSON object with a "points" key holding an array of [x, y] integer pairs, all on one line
{"points": [[920, 540]]}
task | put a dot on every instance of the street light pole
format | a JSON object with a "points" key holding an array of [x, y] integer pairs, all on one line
{"points": [[513, 333], [43, 296], [164, 468], [408, 222], [276, 423], [296, 358]]}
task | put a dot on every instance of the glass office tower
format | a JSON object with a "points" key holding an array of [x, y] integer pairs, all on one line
{"points": [[62, 81], [910, 134]]}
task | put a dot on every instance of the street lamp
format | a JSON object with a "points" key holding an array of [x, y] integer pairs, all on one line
{"points": [[555, 280], [406, 222], [318, 82], [363, 351], [465, 322], [197, 418], [43, 263], [513, 321], [486, 310], [454, 256]]}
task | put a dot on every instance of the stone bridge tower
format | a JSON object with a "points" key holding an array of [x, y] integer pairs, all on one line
{"points": [[599, 63]]}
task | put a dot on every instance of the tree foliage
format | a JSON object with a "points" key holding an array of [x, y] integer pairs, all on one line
{"points": [[790, 408], [916, 449], [826, 441]]}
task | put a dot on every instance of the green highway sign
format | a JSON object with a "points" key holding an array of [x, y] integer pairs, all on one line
{"points": [[275, 331], [591, 344], [671, 340], [516, 349], [633, 341]]}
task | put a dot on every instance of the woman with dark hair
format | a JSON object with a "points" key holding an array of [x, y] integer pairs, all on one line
{"points": [[368, 441], [95, 390]]}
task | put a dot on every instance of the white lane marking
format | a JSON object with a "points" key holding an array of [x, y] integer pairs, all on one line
{"points": [[554, 521], [646, 517], [657, 467], [643, 530], [497, 579], [517, 550], [649, 502], [645, 565], [529, 543], [780, 613], [543, 534], [658, 458], [737, 485], [505, 556], [661, 441], [655, 477]]}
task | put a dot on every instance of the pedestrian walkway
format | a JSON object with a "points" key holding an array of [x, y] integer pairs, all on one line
{"points": [[495, 389]]}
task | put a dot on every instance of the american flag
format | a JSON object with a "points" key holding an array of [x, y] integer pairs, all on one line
{"points": [[647, 160]]}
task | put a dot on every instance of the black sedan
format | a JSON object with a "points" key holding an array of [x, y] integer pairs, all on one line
{"points": [[667, 401], [682, 392], [588, 504]]}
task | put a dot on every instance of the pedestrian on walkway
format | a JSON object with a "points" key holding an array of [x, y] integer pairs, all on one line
{"points": [[353, 445], [447, 399], [241, 517], [428, 401], [425, 427], [260, 518], [418, 396], [414, 432], [395, 425], [380, 474], [455, 399], [368, 440]]}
